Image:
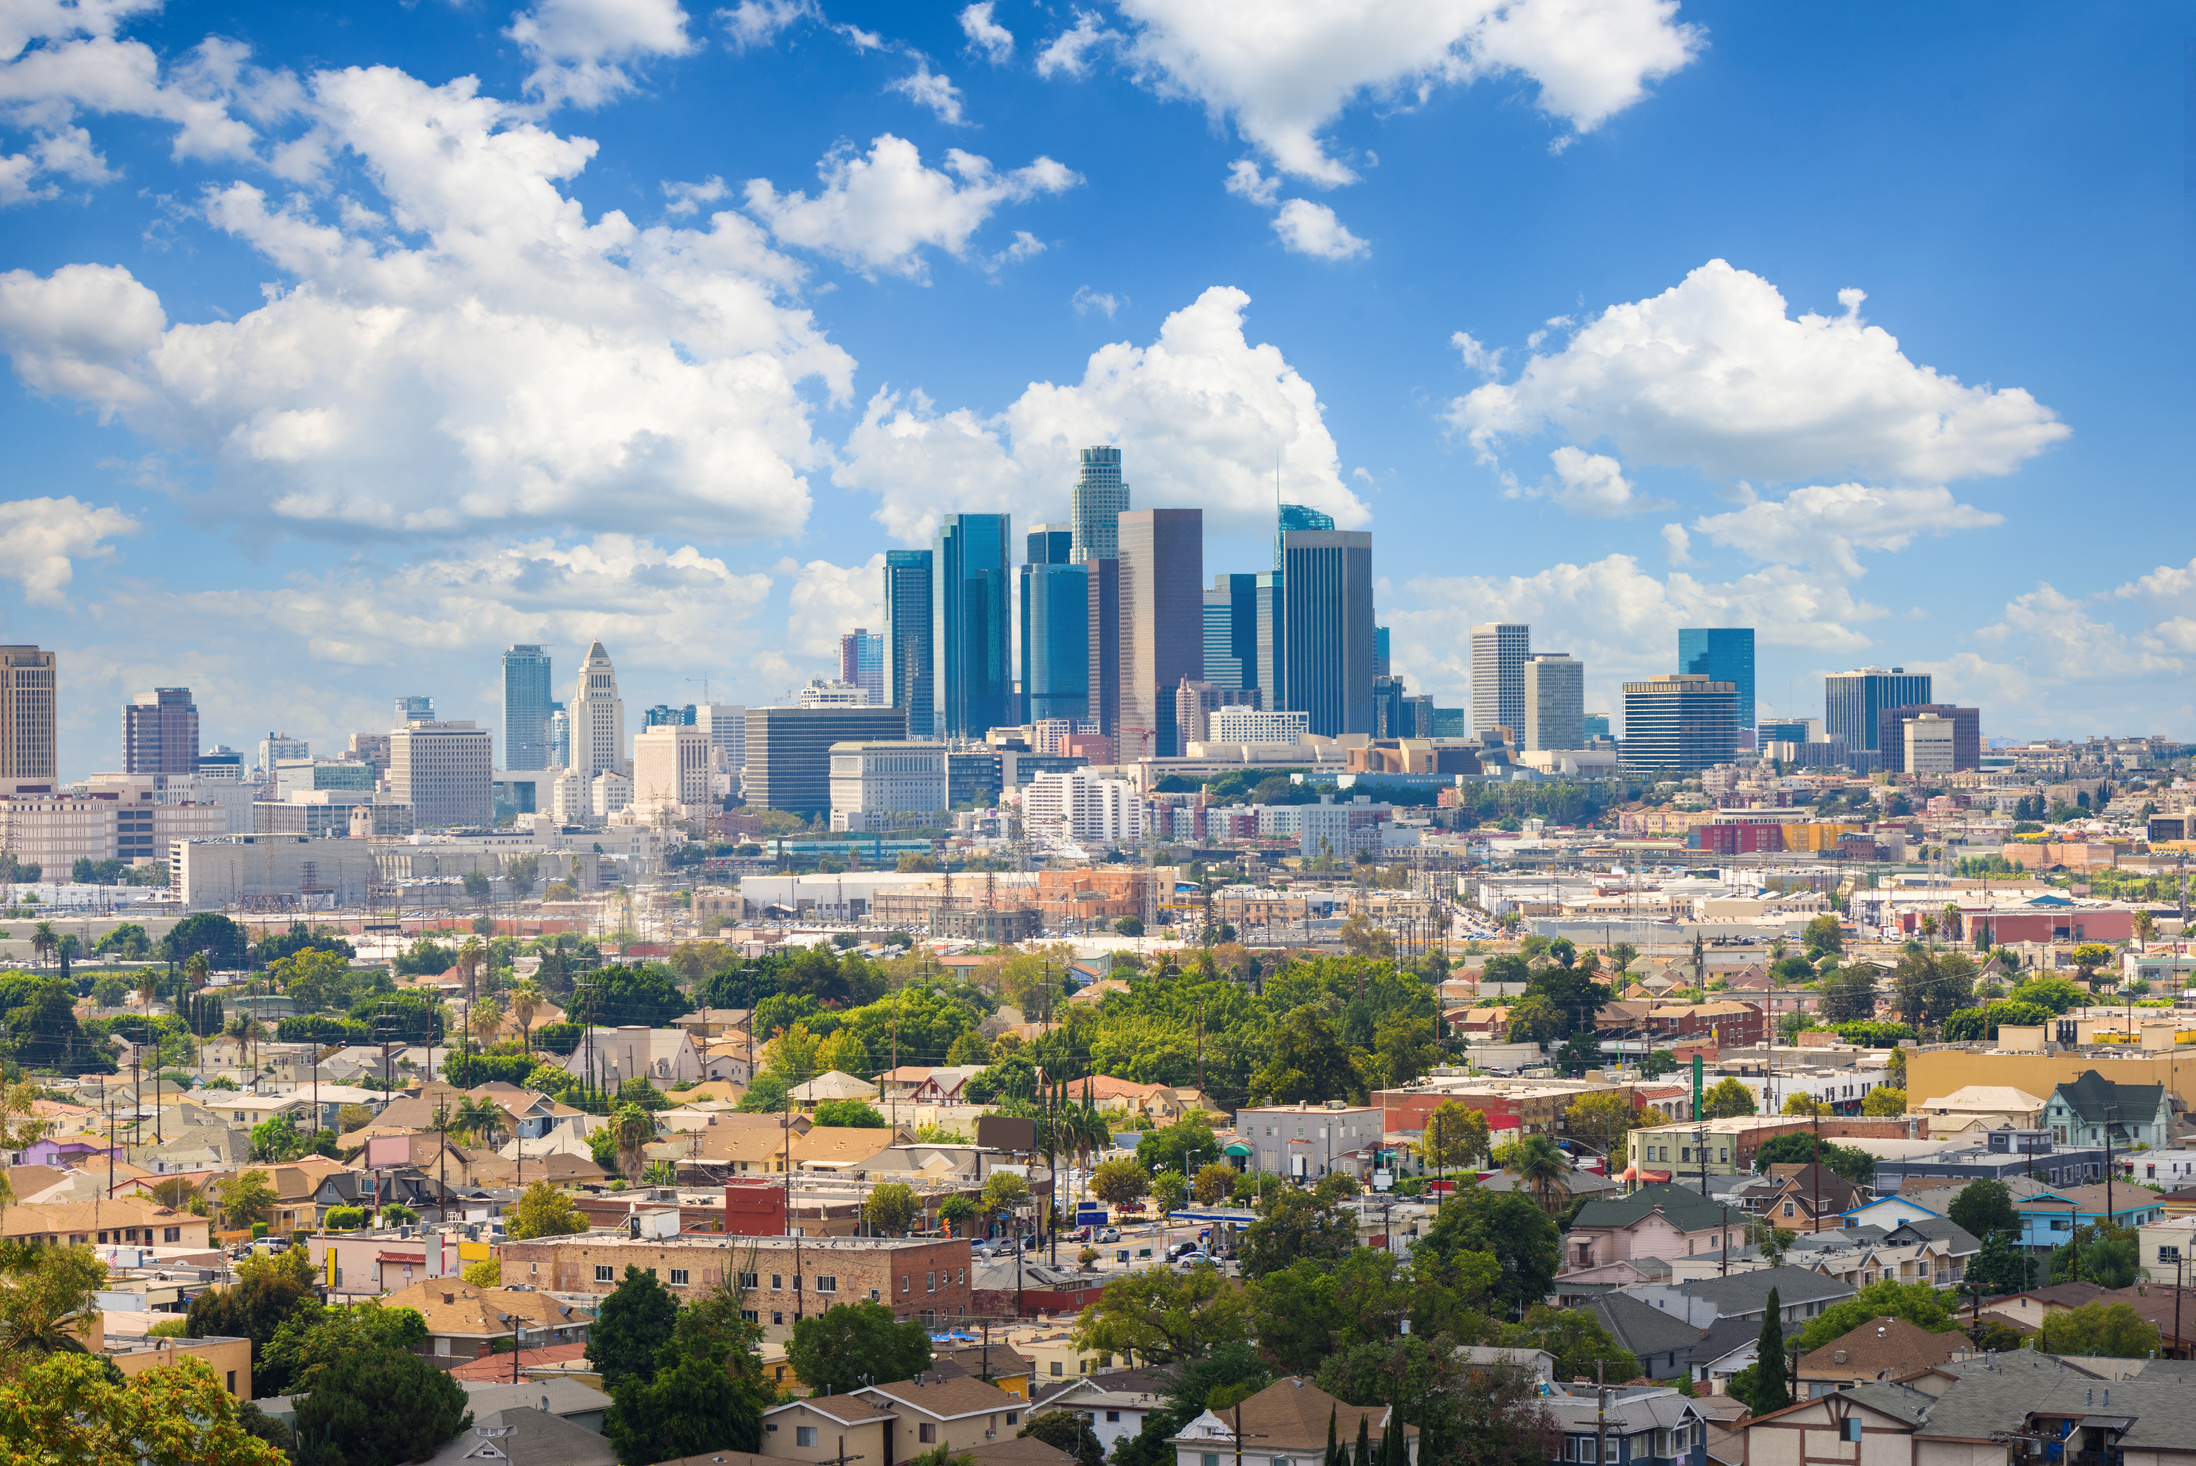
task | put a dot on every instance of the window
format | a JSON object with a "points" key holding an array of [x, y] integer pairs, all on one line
{"points": [[930, 1282], [750, 1280], [960, 1276], [777, 1317], [1113, 1417], [1058, 1369], [927, 1433], [172, 1234], [749, 1315], [1014, 1417], [826, 1283], [602, 1274], [1209, 1458], [905, 1280], [804, 1435], [777, 1282], [232, 1381]]}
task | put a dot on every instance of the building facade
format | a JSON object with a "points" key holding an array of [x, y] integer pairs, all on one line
{"points": [[597, 716], [1721, 654], [1162, 571], [1680, 722], [1196, 702], [1096, 503], [26, 715], [527, 701], [1084, 808], [444, 771], [1102, 684], [725, 726], [880, 787], [972, 624], [1499, 650], [1853, 703], [671, 768], [910, 662], [1256, 725], [1231, 631], [789, 751], [1962, 730], [1555, 702], [1328, 592], [1055, 642], [160, 733], [861, 662]]}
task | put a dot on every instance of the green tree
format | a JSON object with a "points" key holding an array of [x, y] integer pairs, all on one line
{"points": [[1984, 1207], [1772, 1385], [378, 1407], [1725, 1098], [1798, 1147], [1509, 1228], [2100, 1330], [1120, 1183], [707, 1393], [1884, 1102], [1823, 934], [47, 1297], [1577, 1339], [1170, 1190], [835, 1351], [1067, 1431], [633, 1323], [75, 1408], [851, 1113], [268, 1291], [1601, 1120], [957, 1212], [1918, 1303], [1847, 995], [1456, 1135], [1159, 1317], [1307, 1063], [1293, 1223], [1214, 1183], [892, 1208], [544, 1211], [1537, 1163], [309, 1340]]}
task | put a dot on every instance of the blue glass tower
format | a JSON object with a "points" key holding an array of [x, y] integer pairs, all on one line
{"points": [[910, 665], [526, 707], [1231, 631], [972, 596], [1725, 653], [1055, 628]]}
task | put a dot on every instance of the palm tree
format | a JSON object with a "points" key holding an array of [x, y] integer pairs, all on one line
{"points": [[487, 1020], [631, 1127], [43, 941], [148, 984], [479, 1118], [194, 968], [1537, 1162], [526, 1001]]}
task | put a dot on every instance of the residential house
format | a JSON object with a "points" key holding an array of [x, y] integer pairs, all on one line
{"points": [[847, 1149], [1288, 1420], [831, 1085], [2050, 1214], [469, 1321], [525, 1435], [959, 1414], [2028, 1310], [662, 1056], [2019, 1108], [830, 1428], [103, 1223], [2093, 1110], [1804, 1197], [1642, 1426], [1114, 1406], [574, 1401], [1658, 1220], [1881, 1349], [1801, 1294], [1662, 1343]]}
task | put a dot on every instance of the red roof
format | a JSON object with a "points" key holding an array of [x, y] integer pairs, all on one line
{"points": [[498, 1366], [418, 1257]]}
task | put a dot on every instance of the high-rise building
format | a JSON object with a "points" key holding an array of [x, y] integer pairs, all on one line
{"points": [[910, 659], [725, 726], [1231, 631], [1292, 517], [671, 767], [1050, 544], [1555, 702], [1196, 702], [1680, 722], [972, 596], [1102, 688], [1162, 623], [879, 787], [861, 662], [443, 771], [560, 735], [1725, 653], [527, 700], [1097, 501], [160, 733], [663, 715], [1854, 702], [1056, 642], [276, 747], [1499, 650], [1965, 731], [1928, 744], [1327, 593], [1381, 664], [1388, 714], [789, 751], [1594, 725], [1788, 730], [26, 715], [1271, 659], [829, 692], [597, 717], [409, 708]]}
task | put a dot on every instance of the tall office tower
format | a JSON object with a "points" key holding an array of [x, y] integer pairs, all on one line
{"points": [[26, 714], [1499, 650], [910, 660], [1594, 725], [160, 733], [1291, 517], [789, 751], [1162, 624], [1418, 715], [725, 726], [1097, 501], [527, 700], [1725, 653], [971, 624], [560, 735], [1681, 722], [1050, 547], [408, 708], [598, 717], [1102, 684], [443, 771], [1050, 544], [671, 767], [1381, 665], [276, 747], [1388, 714], [1327, 596], [1231, 631], [1854, 702], [1555, 702], [663, 715], [1962, 725], [861, 662], [1270, 658]]}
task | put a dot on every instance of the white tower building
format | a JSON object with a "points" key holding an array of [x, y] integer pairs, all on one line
{"points": [[597, 717]]}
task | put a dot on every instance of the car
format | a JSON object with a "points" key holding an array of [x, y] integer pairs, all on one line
{"points": [[1110, 1234], [1181, 1250], [1080, 1234], [1192, 1258]]}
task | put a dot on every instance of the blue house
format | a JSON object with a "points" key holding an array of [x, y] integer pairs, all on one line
{"points": [[2093, 1110]]}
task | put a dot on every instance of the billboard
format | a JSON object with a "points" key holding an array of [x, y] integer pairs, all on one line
{"points": [[1005, 1132]]}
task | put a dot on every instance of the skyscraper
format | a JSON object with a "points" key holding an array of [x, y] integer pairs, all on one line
{"points": [[1499, 650], [1097, 501], [1555, 702], [597, 717], [1162, 624], [1271, 657], [1380, 651], [444, 771], [526, 704], [1102, 687], [1965, 732], [1725, 653], [861, 663], [1055, 630], [910, 662], [1231, 631], [1050, 544], [1290, 517], [409, 708], [1681, 722], [160, 733], [1854, 702], [972, 595], [559, 735], [26, 714], [1327, 595]]}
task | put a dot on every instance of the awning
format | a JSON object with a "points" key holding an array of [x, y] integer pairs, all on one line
{"points": [[418, 1258], [1238, 1148]]}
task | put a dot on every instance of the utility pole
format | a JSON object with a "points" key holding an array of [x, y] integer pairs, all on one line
{"points": [[1601, 1412]]}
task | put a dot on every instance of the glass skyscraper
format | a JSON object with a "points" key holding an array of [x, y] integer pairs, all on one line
{"points": [[1097, 501], [972, 592], [1326, 585], [1055, 627], [910, 667], [526, 706], [1290, 517], [1853, 703], [1162, 625], [1725, 653], [1231, 631]]}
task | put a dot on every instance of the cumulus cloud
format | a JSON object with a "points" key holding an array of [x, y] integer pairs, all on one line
{"points": [[484, 355], [1286, 76], [1087, 300], [1591, 486], [1825, 524], [41, 540], [1200, 413], [829, 600], [688, 198], [581, 48], [878, 211], [2060, 637], [1312, 229], [986, 37], [1677, 545], [927, 88], [754, 23], [1070, 52], [1476, 357], [1714, 373], [1247, 182]]}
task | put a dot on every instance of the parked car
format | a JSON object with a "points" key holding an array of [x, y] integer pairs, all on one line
{"points": [[1110, 1234]]}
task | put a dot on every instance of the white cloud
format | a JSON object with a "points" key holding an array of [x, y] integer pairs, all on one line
{"points": [[1312, 229], [1087, 300], [1200, 414], [1677, 545], [41, 539], [986, 37], [2058, 637], [1072, 49], [581, 48], [927, 88], [861, 40], [1286, 73], [1824, 525], [756, 23], [1712, 372], [829, 600], [1591, 486], [504, 361], [1477, 358], [688, 198], [2168, 585], [878, 211], [1246, 181]]}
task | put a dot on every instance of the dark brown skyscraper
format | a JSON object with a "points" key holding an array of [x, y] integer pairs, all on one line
{"points": [[160, 733], [1162, 624], [1105, 644]]}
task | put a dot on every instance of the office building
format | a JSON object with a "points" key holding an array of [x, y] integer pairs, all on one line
{"points": [[1591, 726], [1788, 730], [1292, 517], [1327, 593], [789, 751], [1055, 642], [671, 768], [861, 662], [607, 793], [725, 726], [221, 762], [1241, 724], [1555, 702], [1097, 501], [1388, 714], [1050, 544], [597, 717], [1928, 744], [1680, 722], [972, 624], [1381, 665], [829, 692], [560, 736], [1102, 685], [1269, 659], [1499, 650], [305, 775], [444, 771], [1196, 702], [27, 751], [1965, 725], [663, 715], [1162, 623], [1083, 808], [528, 696], [1418, 715], [910, 665], [1449, 723], [1722, 654], [409, 708], [879, 787], [276, 747], [160, 733], [1853, 703], [245, 869], [1231, 631]]}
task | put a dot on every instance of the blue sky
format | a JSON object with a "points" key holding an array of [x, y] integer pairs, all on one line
{"points": [[349, 344]]}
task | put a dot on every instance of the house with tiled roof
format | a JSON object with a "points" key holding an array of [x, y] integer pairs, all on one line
{"points": [[846, 1147], [103, 1222], [959, 1413], [1286, 1421], [1882, 1348], [467, 1320], [1657, 1220]]}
